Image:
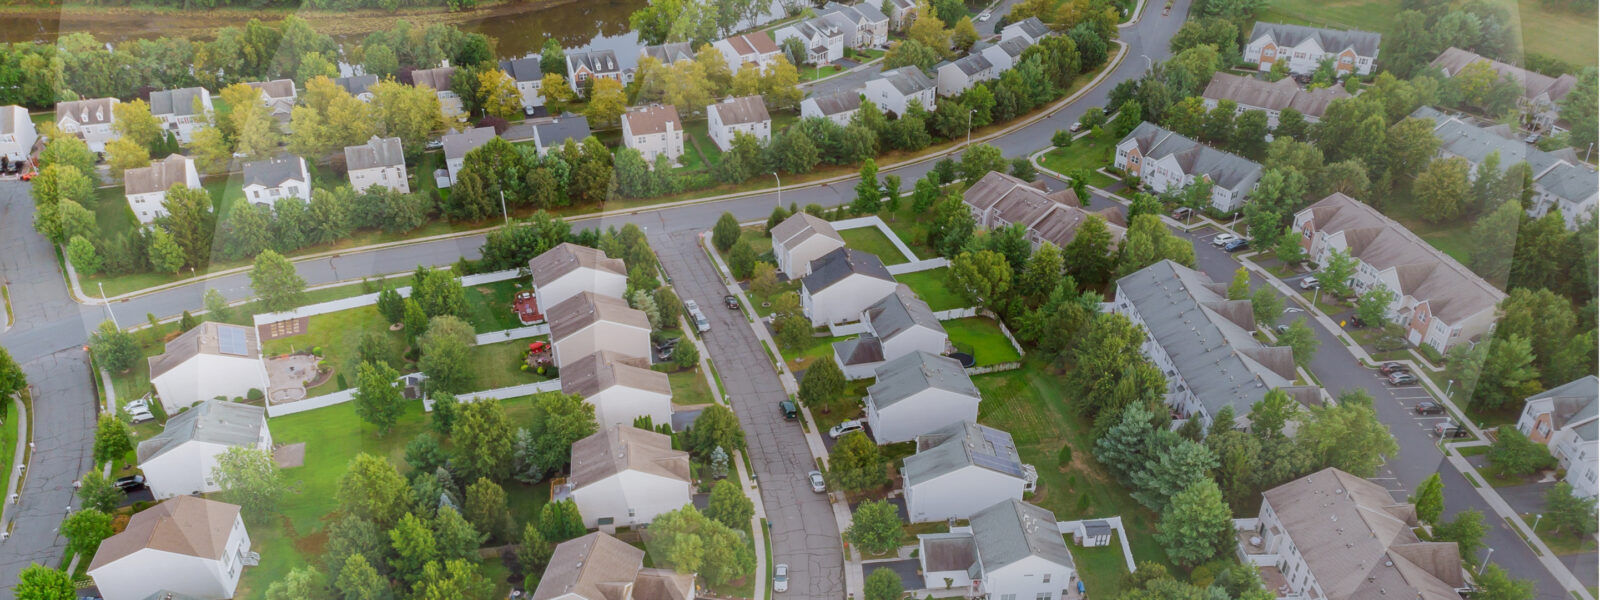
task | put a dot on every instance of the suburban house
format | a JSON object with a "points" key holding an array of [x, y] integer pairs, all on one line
{"points": [[526, 73], [959, 75], [738, 115], [999, 200], [88, 119], [181, 111], [550, 133], [185, 547], [620, 388], [1031, 29], [864, 26], [146, 187], [1204, 344], [669, 53], [1249, 93], [569, 269], [823, 40], [918, 394], [380, 162], [960, 469], [1439, 301], [654, 130], [278, 96], [800, 239], [1565, 419], [902, 13], [600, 567], [213, 360], [1005, 54], [438, 80], [896, 89], [284, 176], [1010, 550], [898, 325], [756, 48], [623, 476], [1306, 47], [458, 144], [1336, 536], [841, 284], [1165, 161], [17, 134], [1541, 94], [1561, 180], [838, 107], [359, 86], [587, 323], [178, 461], [584, 65]]}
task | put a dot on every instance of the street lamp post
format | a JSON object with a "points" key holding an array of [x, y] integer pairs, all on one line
{"points": [[780, 189], [108, 304], [1536, 521], [969, 126], [1448, 386], [1485, 564], [503, 212]]}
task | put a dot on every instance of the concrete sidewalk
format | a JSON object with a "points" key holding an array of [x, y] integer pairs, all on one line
{"points": [[18, 464]]}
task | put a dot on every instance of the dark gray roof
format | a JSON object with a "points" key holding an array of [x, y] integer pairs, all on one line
{"points": [[864, 12], [909, 375], [275, 171], [801, 227], [960, 445], [457, 145], [597, 61], [1227, 170], [907, 80], [377, 152], [1013, 46], [1571, 183], [179, 102], [555, 131], [972, 64], [899, 312], [834, 266], [214, 422], [1032, 26], [1560, 173], [1096, 528], [669, 53], [522, 69], [1365, 43], [863, 350], [357, 84], [87, 112], [837, 102], [1573, 402], [1014, 530]]}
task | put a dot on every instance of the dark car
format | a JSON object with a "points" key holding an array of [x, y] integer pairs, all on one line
{"points": [[1394, 367], [1450, 430], [788, 409], [731, 301], [131, 483], [1236, 245], [1429, 408]]}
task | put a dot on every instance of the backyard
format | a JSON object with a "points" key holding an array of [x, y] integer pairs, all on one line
{"points": [[1546, 29], [1090, 152], [1100, 568], [872, 241], [933, 287], [981, 337], [689, 387]]}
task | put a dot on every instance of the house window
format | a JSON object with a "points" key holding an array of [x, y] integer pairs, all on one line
{"points": [[1045, 596], [1008, 597], [1046, 578], [630, 513]]}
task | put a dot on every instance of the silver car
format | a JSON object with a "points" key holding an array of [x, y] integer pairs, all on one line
{"points": [[780, 578], [817, 484]]}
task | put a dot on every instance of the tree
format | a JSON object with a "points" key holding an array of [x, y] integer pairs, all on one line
{"points": [[498, 95], [1506, 373], [1494, 242], [1495, 584], [822, 382], [1265, 305], [607, 101], [446, 354], [1514, 454], [249, 477], [883, 584], [1429, 499], [1466, 530], [414, 546], [123, 154], [113, 348], [451, 580], [378, 397], [1302, 340], [358, 580], [1197, 524], [486, 508], [455, 538], [483, 438], [1239, 287], [560, 521], [300, 582], [533, 551], [1442, 189], [979, 160], [558, 421], [876, 528], [98, 493], [274, 279], [407, 112], [982, 277], [911, 53], [1089, 256], [1175, 466], [371, 489], [438, 292], [1569, 513], [726, 232], [687, 541], [1373, 306], [1347, 435], [1578, 109], [728, 505], [84, 530], [1111, 371], [1336, 273], [38, 582], [53, 187], [112, 439], [82, 255], [855, 464], [716, 427], [1148, 242]]}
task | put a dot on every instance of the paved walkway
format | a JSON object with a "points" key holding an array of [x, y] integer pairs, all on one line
{"points": [[18, 466]]}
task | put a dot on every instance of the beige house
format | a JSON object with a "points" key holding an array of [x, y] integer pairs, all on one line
{"points": [[620, 388], [569, 269], [1165, 161], [747, 115], [587, 323], [623, 476], [379, 162], [186, 547], [999, 200], [1249, 93], [17, 133], [756, 48], [146, 187], [1566, 419], [600, 567], [654, 130], [1305, 48], [583, 66], [1541, 94]]}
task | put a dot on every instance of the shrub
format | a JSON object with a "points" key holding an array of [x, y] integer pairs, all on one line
{"points": [[254, 395]]}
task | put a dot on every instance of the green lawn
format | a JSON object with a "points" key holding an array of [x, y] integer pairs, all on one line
{"points": [[8, 442], [1546, 30], [698, 141], [933, 287], [982, 337], [339, 334], [501, 365], [1101, 568], [815, 73], [872, 241], [819, 347], [912, 229], [1560, 543], [1454, 239], [489, 305], [689, 387], [1089, 152]]}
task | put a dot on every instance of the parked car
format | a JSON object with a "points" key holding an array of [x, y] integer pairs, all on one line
{"points": [[1532, 138], [1429, 408], [1222, 239], [984, 18], [1394, 367], [817, 484], [1182, 213], [1281, 329], [1402, 378], [141, 417], [780, 578], [131, 483], [788, 409], [1236, 245], [1076, 126], [731, 301], [1310, 283], [433, 144], [700, 323], [846, 427], [1448, 429]]}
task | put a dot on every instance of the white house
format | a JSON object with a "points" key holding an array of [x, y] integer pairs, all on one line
{"points": [[178, 461], [620, 388], [359, 86], [600, 567], [1030, 29], [146, 187], [1305, 47], [528, 77], [1542, 94], [918, 394], [1565, 419], [380, 162], [864, 26], [457, 145], [587, 323], [654, 130], [738, 115], [585, 65], [623, 476], [1249, 93], [1005, 54], [838, 107], [669, 53], [569, 269], [902, 13], [438, 80], [959, 75], [1000, 200], [181, 111], [17, 134], [1010, 550], [1165, 161], [551, 133], [823, 40], [842, 283], [897, 325], [1337, 536], [1561, 180], [961, 468], [755, 48], [267, 181], [185, 547], [800, 239], [88, 119], [278, 96], [1439, 301], [213, 360], [896, 90]]}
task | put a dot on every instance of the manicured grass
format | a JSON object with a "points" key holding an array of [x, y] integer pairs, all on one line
{"points": [[689, 387], [933, 287], [815, 73], [765, 311], [1100, 568], [912, 229], [982, 337], [8, 442], [819, 347], [1089, 152], [872, 241], [699, 141], [489, 305], [500, 365], [339, 334], [1563, 34], [1560, 543]]}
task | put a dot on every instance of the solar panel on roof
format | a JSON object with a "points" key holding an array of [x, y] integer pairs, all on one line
{"points": [[231, 341], [1009, 467]]}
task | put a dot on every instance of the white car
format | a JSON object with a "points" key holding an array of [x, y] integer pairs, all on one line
{"points": [[701, 324], [1310, 283], [818, 485], [780, 578], [845, 427], [1222, 239], [983, 18]]}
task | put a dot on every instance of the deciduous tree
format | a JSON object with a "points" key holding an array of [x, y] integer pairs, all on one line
{"points": [[1197, 525], [249, 477], [876, 527], [728, 505], [378, 397]]}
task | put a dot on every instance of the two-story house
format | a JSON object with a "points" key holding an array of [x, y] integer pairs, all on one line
{"points": [[359, 86], [587, 323], [600, 567], [456, 147], [380, 162], [755, 48], [654, 130], [620, 388], [1000, 200], [824, 42], [1541, 94], [961, 468], [895, 90], [1306, 47], [918, 394], [88, 119], [864, 26], [1439, 301], [1005, 54], [569, 269], [800, 239], [732, 116], [959, 75], [528, 77], [278, 96], [268, 181], [182, 111], [17, 133], [1565, 419], [1012, 550], [584, 65], [146, 187], [1165, 161], [213, 360], [551, 133], [623, 476], [901, 14], [1561, 180], [185, 547], [669, 53], [438, 80], [842, 283], [839, 107], [1031, 29], [1249, 93], [897, 325], [179, 460]]}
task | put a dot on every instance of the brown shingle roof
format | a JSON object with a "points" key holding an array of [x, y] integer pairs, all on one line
{"points": [[567, 257], [600, 371], [1278, 95], [187, 525], [596, 566], [656, 118], [1453, 59], [738, 111], [626, 448], [800, 227], [663, 584], [276, 89], [437, 79], [753, 43], [160, 176], [586, 308]]}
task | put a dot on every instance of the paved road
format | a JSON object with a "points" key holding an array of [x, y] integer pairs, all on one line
{"points": [[54, 329]]}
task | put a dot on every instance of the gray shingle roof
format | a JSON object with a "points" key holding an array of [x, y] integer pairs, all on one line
{"points": [[1013, 46], [960, 445], [376, 153], [1227, 170], [437, 79], [457, 145], [1562, 175], [835, 266], [1014, 530], [1573, 402], [567, 257], [907, 80], [857, 14], [583, 309], [93, 111], [899, 312], [179, 102], [909, 375], [837, 102], [972, 64], [597, 61], [800, 227], [357, 84], [160, 176], [739, 111], [275, 89], [522, 69], [669, 53], [553, 132], [1032, 26], [1365, 43], [274, 172], [213, 422]]}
